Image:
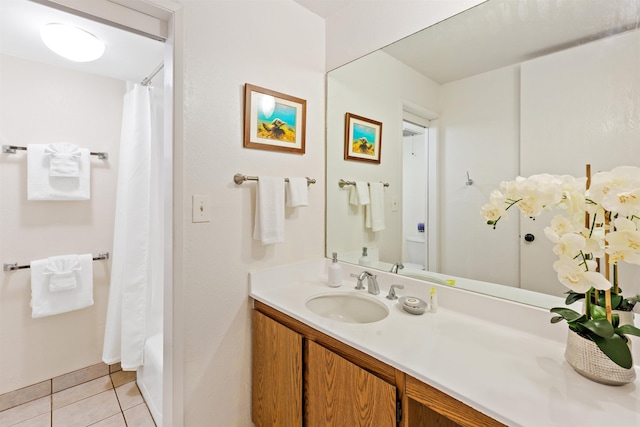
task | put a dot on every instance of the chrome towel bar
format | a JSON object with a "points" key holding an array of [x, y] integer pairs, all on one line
{"points": [[11, 149], [342, 183], [15, 266], [239, 179]]}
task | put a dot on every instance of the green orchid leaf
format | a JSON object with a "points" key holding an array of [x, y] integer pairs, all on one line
{"points": [[628, 330], [616, 300], [626, 305], [573, 297], [615, 320], [556, 319], [600, 327], [616, 349], [567, 313], [598, 312]]}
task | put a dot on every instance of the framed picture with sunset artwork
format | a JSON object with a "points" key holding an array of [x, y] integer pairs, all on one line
{"points": [[362, 139], [273, 121]]}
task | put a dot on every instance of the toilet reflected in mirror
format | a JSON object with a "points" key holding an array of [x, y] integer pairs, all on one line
{"points": [[416, 253]]}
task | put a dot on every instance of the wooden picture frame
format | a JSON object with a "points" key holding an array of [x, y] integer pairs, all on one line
{"points": [[274, 121], [362, 139]]}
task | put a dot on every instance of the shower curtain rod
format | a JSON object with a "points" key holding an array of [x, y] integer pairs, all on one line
{"points": [[147, 80]]}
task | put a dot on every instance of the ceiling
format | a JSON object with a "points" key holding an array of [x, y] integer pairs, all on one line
{"points": [[443, 52], [127, 56], [505, 32], [499, 33], [324, 8]]}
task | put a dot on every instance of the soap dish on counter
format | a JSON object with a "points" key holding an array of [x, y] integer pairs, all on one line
{"points": [[413, 305]]}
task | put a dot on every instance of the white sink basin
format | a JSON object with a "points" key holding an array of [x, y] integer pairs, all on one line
{"points": [[349, 308]]}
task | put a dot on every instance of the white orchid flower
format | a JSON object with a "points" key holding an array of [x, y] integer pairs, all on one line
{"points": [[594, 241], [624, 243], [572, 274], [561, 225], [491, 213], [626, 203], [617, 190], [535, 193], [570, 244], [573, 195]]}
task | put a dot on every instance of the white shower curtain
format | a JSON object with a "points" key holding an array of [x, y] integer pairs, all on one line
{"points": [[136, 269]]}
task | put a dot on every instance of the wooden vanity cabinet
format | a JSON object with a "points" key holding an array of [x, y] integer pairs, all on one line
{"points": [[304, 377], [339, 393], [428, 406], [276, 374]]}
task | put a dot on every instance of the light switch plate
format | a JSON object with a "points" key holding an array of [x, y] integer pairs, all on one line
{"points": [[394, 204], [201, 208]]}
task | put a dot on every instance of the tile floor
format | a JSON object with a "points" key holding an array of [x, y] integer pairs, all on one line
{"points": [[109, 401]]}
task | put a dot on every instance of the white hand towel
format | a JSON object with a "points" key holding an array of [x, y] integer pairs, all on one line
{"points": [[362, 190], [269, 219], [61, 271], [64, 159], [42, 186], [353, 196], [375, 211], [47, 303], [297, 192]]}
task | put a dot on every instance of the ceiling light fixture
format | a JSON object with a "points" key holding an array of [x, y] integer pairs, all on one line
{"points": [[72, 42]]}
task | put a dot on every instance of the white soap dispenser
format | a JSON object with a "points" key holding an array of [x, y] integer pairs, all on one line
{"points": [[364, 259], [335, 272]]}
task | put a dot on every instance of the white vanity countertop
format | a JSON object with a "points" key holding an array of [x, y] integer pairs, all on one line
{"points": [[516, 375]]}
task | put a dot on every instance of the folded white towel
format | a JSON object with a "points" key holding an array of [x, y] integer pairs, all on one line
{"points": [[269, 219], [61, 271], [375, 211], [42, 186], [44, 302], [297, 192], [64, 159]]}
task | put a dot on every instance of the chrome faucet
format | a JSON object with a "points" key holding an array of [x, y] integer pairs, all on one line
{"points": [[396, 267], [372, 282], [392, 291]]}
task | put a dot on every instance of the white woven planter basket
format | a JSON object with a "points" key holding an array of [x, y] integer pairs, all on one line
{"points": [[588, 360]]}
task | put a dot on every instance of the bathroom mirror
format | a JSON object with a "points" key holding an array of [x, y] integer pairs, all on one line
{"points": [[506, 88]]}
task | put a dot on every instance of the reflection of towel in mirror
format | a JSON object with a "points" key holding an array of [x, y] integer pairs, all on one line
{"points": [[374, 214], [269, 219], [64, 159], [44, 302], [297, 192], [61, 271], [359, 195]]}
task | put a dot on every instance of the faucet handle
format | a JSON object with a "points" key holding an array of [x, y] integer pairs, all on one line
{"points": [[359, 286], [392, 291]]}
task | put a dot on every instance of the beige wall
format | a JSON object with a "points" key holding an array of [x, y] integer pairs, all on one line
{"points": [[43, 104], [281, 46], [274, 44]]}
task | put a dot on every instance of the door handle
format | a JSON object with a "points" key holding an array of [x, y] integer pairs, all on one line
{"points": [[529, 237]]}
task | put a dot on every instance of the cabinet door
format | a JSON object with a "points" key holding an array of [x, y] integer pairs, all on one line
{"points": [[277, 374], [339, 393]]}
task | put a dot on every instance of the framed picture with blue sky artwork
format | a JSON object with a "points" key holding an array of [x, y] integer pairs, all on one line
{"points": [[273, 121], [363, 139]]}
